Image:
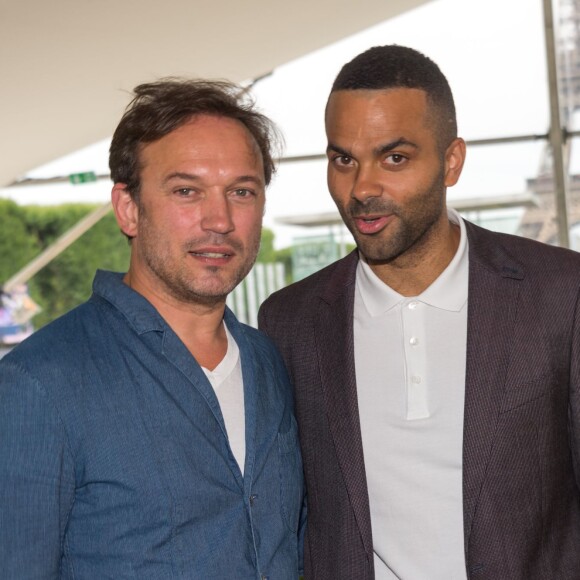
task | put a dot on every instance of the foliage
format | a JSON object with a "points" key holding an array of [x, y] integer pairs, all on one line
{"points": [[285, 256], [17, 244], [65, 282], [267, 252]]}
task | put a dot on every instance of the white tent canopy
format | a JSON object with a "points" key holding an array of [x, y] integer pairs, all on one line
{"points": [[68, 65]]}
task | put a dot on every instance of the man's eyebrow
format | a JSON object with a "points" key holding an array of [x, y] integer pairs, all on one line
{"points": [[380, 150], [337, 149], [387, 147]]}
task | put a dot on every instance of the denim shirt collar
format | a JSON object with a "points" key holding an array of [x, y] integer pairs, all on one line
{"points": [[138, 311]]}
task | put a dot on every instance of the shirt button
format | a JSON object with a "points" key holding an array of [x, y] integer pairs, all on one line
{"points": [[253, 498], [416, 379], [414, 341], [412, 305]]}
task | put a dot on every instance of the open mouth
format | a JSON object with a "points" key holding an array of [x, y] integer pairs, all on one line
{"points": [[371, 224]]}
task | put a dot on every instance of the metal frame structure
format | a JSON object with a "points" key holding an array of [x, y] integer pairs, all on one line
{"points": [[557, 133]]}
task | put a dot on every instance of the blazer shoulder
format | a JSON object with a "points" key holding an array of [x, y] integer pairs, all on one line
{"points": [[522, 255]]}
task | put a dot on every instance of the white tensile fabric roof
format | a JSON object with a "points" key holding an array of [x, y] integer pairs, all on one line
{"points": [[67, 65]]}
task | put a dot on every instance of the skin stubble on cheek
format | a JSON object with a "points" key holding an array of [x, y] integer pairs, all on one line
{"points": [[410, 232]]}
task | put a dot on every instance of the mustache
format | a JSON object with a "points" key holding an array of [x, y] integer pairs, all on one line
{"points": [[371, 206], [214, 240]]}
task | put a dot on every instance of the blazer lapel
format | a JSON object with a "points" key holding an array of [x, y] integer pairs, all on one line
{"points": [[334, 344], [492, 304]]}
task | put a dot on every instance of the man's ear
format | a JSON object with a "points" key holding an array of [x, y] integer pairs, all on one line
{"points": [[126, 210], [454, 160]]}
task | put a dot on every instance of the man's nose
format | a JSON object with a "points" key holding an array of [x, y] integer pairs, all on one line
{"points": [[217, 214], [367, 183]]}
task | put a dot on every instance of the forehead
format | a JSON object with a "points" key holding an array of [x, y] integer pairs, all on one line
{"points": [[205, 139], [370, 112]]}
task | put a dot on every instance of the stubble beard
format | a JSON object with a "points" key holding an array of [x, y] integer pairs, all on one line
{"points": [[408, 231], [185, 284]]}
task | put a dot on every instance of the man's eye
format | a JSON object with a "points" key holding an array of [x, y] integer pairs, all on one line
{"points": [[183, 191], [396, 159], [242, 192], [343, 160]]}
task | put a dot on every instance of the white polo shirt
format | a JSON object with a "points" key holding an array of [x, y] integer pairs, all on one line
{"points": [[410, 373]]}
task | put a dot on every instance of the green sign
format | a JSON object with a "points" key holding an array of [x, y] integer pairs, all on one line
{"points": [[86, 177]]}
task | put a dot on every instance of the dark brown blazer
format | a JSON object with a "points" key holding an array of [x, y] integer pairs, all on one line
{"points": [[521, 445]]}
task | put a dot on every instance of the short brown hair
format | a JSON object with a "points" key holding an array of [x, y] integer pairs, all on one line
{"points": [[160, 107]]}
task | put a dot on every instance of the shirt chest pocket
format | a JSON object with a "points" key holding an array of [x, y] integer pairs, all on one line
{"points": [[291, 481]]}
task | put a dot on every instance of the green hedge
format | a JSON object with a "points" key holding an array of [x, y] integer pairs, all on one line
{"points": [[66, 281]]}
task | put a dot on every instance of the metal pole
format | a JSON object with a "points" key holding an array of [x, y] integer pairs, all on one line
{"points": [[557, 134]]}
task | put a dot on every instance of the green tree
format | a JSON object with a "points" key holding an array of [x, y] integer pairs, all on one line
{"points": [[67, 281], [25, 231], [267, 252], [17, 244]]}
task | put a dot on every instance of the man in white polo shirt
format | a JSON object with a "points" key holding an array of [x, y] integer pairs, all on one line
{"points": [[437, 367]]}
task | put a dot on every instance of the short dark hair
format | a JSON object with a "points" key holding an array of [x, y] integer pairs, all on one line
{"points": [[160, 107], [393, 66]]}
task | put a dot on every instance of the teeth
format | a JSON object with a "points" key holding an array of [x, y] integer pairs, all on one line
{"points": [[210, 254]]}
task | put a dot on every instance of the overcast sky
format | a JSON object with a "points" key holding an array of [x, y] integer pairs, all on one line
{"points": [[492, 53]]}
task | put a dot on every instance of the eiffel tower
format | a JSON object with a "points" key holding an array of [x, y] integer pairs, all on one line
{"points": [[539, 222]]}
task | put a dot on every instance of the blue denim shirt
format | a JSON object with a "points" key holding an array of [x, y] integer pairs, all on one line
{"points": [[114, 458]]}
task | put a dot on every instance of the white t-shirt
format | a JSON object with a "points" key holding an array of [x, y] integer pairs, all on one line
{"points": [[227, 382]]}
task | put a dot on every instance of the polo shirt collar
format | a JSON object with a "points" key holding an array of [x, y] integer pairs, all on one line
{"points": [[448, 291]]}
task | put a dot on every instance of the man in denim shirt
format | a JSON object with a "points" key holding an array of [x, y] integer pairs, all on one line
{"points": [[147, 433]]}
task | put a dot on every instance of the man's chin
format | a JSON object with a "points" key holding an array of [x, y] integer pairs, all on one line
{"points": [[379, 253]]}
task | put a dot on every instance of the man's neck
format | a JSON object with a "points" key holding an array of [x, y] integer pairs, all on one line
{"points": [[199, 325], [203, 333]]}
